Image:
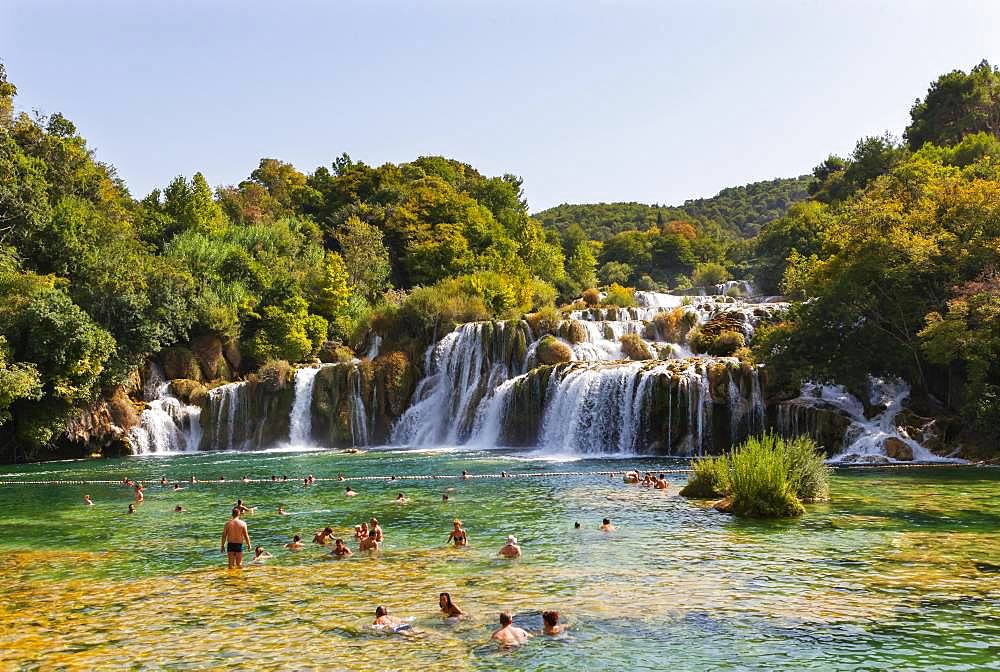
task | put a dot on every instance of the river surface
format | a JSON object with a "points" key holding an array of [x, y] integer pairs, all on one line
{"points": [[900, 571]]}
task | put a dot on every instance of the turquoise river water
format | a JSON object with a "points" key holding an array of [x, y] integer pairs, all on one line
{"points": [[899, 571]]}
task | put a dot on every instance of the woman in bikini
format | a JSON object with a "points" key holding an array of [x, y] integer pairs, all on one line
{"points": [[458, 535]]}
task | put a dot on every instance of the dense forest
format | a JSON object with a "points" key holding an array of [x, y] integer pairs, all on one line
{"points": [[893, 251], [739, 211]]}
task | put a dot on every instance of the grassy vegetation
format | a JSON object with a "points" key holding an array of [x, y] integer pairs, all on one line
{"points": [[765, 477]]}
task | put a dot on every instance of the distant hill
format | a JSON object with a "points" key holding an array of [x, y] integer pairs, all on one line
{"points": [[739, 210]]}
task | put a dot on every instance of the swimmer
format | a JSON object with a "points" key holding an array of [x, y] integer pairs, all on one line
{"points": [[284, 478], [87, 500], [295, 544], [260, 555], [661, 483], [246, 479], [163, 481], [369, 544], [449, 608], [458, 535], [138, 493], [273, 478], [444, 498], [340, 550], [576, 525], [177, 486], [606, 526], [281, 511], [510, 550], [324, 536], [234, 535], [361, 531], [550, 623], [375, 530], [509, 635], [194, 480], [131, 508], [340, 477], [401, 499], [222, 478], [631, 477], [349, 492], [179, 509], [383, 618], [243, 507], [465, 475]]}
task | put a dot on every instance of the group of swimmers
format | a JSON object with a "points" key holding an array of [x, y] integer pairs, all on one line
{"points": [[508, 635], [648, 480]]}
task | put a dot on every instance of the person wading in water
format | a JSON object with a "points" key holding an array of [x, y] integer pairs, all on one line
{"points": [[234, 535]]}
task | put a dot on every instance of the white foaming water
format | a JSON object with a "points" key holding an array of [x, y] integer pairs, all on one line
{"points": [[300, 418], [226, 402], [167, 425], [374, 347], [865, 439]]}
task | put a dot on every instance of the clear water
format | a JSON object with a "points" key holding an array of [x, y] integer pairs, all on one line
{"points": [[900, 571]]}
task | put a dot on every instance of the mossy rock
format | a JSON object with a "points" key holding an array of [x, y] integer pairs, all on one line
{"points": [[334, 352], [180, 362], [207, 350], [635, 348], [189, 391], [576, 332], [551, 350]]}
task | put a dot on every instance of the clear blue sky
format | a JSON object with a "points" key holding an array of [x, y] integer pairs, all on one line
{"points": [[588, 101]]}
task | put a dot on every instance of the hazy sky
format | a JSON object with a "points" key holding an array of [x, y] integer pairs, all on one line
{"points": [[588, 101]]}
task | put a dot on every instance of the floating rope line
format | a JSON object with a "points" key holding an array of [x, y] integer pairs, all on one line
{"points": [[502, 475]]}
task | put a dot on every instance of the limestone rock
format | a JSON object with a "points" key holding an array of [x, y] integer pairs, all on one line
{"points": [[553, 351], [898, 450]]}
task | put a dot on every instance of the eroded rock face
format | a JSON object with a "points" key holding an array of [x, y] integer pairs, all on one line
{"points": [[102, 428], [208, 350], [825, 423], [189, 391], [359, 402]]}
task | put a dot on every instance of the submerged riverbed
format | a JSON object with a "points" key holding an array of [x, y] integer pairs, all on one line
{"points": [[901, 570]]}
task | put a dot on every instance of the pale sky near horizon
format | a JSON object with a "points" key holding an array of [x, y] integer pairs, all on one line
{"points": [[588, 101]]}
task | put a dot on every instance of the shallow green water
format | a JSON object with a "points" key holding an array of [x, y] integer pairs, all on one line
{"points": [[901, 570]]}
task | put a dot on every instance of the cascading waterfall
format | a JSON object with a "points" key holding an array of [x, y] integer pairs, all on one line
{"points": [[300, 419], [359, 418], [167, 425], [227, 404], [865, 439], [460, 370]]}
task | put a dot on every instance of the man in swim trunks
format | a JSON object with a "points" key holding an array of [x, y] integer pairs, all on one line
{"points": [[510, 550], [509, 635], [234, 535]]}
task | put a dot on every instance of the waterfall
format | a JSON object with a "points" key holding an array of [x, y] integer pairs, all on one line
{"points": [[300, 419], [865, 439], [226, 404], [359, 419], [167, 425], [374, 347], [462, 368]]}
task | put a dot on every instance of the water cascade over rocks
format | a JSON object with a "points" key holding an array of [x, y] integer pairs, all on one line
{"points": [[836, 419], [486, 386], [300, 421], [167, 425]]}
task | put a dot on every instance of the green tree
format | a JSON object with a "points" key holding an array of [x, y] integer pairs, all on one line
{"points": [[957, 104], [365, 257], [582, 265]]}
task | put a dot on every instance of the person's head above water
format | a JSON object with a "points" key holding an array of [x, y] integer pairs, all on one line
{"points": [[511, 539], [381, 611], [178, 508], [327, 530], [577, 524], [236, 512], [551, 618], [297, 538], [505, 619], [258, 550], [444, 599], [605, 522]]}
